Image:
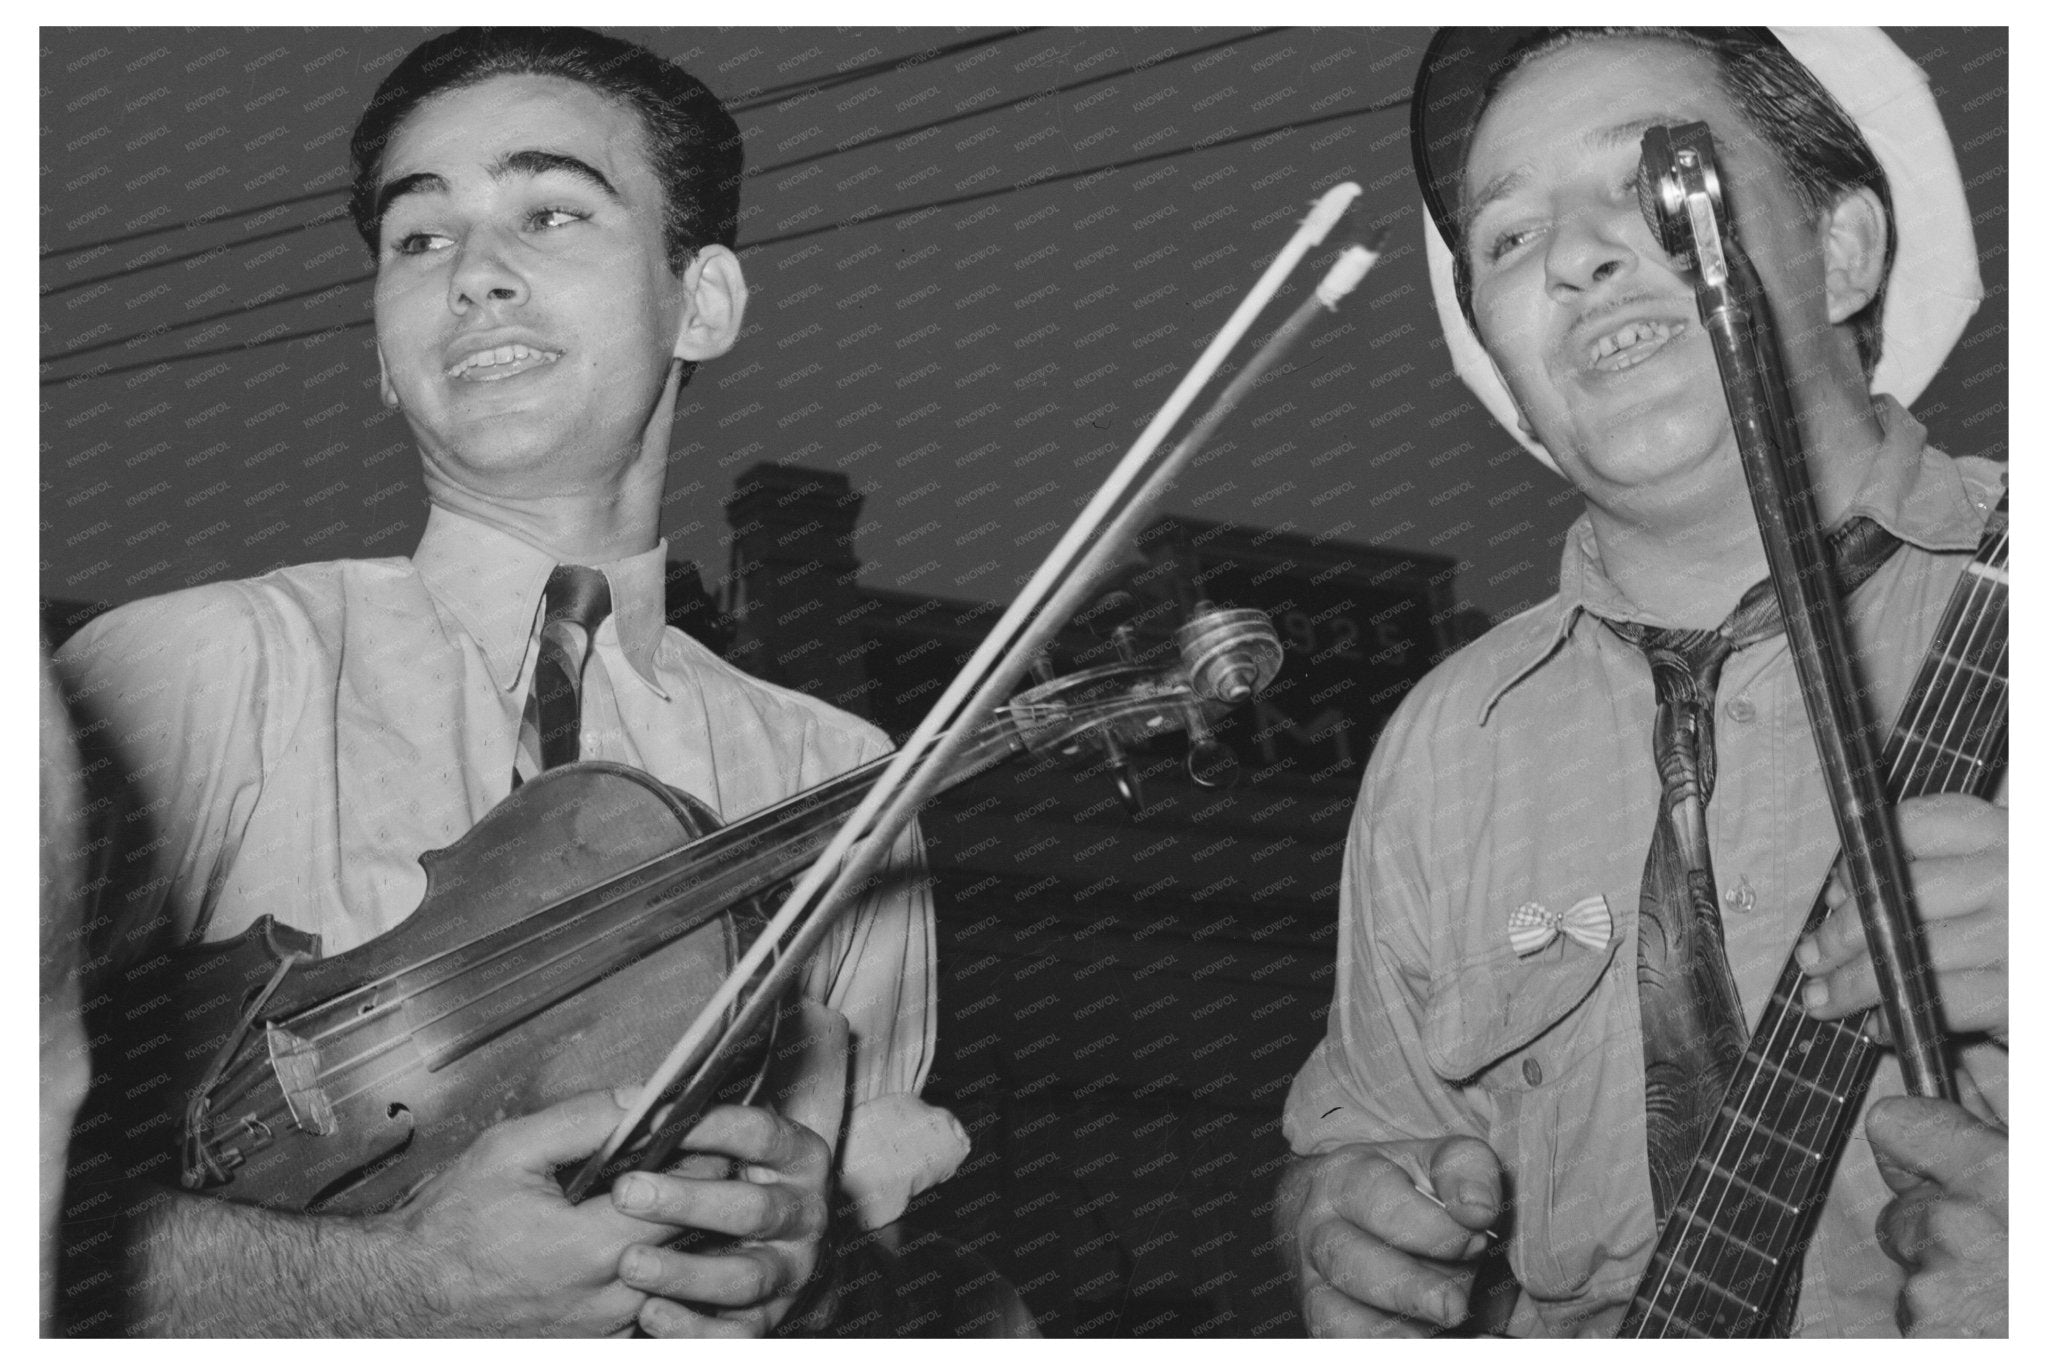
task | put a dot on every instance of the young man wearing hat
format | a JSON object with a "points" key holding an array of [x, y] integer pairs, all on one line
{"points": [[1586, 846]]}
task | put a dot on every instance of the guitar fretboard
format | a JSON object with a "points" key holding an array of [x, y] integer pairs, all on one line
{"points": [[1735, 1237]]}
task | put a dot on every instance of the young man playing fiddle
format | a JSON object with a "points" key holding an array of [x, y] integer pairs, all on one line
{"points": [[1586, 846], [552, 215]]}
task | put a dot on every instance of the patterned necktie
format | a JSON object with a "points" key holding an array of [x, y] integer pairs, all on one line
{"points": [[1693, 1033], [577, 599]]}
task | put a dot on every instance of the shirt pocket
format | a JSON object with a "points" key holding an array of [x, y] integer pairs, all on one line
{"points": [[1536, 1038]]}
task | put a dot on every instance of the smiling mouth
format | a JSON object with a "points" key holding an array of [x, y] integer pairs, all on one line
{"points": [[1632, 343], [500, 362]]}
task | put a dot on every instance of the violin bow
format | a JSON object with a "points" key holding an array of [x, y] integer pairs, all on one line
{"points": [[1054, 592]]}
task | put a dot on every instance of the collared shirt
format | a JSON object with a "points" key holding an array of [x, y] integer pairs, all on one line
{"points": [[303, 737], [1521, 771]]}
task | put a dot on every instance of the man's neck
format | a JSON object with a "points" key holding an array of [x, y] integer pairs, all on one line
{"points": [[575, 528], [1689, 563]]}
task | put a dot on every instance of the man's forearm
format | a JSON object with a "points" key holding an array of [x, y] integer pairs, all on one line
{"points": [[203, 1267]]}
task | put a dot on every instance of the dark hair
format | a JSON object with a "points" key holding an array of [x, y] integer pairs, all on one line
{"points": [[691, 141], [1822, 151]]}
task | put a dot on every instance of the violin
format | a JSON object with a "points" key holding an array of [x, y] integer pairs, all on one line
{"points": [[559, 946]]}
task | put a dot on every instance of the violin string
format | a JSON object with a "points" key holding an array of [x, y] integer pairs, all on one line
{"points": [[690, 857], [1966, 605]]}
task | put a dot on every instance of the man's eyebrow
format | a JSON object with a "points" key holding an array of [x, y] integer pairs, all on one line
{"points": [[1613, 135], [1631, 132], [525, 162], [534, 162], [1500, 187], [419, 182]]}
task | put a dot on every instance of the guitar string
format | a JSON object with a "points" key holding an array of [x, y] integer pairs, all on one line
{"points": [[1970, 606], [1697, 1279], [1943, 702]]}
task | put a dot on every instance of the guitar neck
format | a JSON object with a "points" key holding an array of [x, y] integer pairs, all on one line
{"points": [[1733, 1243]]}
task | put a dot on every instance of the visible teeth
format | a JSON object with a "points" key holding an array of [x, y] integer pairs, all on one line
{"points": [[1631, 334], [501, 355]]}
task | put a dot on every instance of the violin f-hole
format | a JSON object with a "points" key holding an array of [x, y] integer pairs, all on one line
{"points": [[397, 1116]]}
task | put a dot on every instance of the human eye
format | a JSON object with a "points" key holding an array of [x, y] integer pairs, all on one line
{"points": [[416, 243], [544, 219], [1504, 242]]}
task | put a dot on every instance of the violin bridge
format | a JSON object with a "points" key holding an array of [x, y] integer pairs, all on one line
{"points": [[296, 1063]]}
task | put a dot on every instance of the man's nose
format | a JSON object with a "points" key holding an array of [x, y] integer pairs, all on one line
{"points": [[1591, 246], [483, 274]]}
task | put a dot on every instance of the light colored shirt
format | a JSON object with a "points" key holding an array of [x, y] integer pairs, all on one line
{"points": [[1521, 771], [303, 737]]}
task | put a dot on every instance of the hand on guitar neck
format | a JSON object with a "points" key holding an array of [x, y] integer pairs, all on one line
{"points": [[1373, 1251], [1956, 847], [1948, 1226]]}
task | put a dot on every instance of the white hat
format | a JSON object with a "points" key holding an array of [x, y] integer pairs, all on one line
{"points": [[1934, 285]]}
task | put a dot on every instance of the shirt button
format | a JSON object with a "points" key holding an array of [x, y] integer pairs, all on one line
{"points": [[1742, 710], [1740, 897], [1531, 1072]]}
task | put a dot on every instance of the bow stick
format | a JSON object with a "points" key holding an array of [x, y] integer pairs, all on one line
{"points": [[1052, 594]]}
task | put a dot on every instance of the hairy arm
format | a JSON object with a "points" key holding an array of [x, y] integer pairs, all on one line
{"points": [[214, 1269]]}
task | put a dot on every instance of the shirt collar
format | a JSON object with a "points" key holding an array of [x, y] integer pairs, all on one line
{"points": [[491, 582], [1912, 491]]}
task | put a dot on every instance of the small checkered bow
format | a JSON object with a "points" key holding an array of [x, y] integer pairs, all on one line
{"points": [[1589, 924]]}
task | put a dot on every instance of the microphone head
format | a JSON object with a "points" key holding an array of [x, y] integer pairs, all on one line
{"points": [[1659, 196]]}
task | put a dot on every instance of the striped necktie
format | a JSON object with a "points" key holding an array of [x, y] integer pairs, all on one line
{"points": [[577, 599]]}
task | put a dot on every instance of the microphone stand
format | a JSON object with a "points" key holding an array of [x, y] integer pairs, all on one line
{"points": [[1680, 189]]}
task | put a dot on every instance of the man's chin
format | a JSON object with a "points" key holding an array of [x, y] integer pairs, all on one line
{"points": [[510, 449], [1645, 445]]}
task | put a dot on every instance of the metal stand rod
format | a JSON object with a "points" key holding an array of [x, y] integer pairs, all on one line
{"points": [[1738, 324]]}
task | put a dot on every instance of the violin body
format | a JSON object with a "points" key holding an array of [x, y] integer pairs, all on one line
{"points": [[562, 945], [363, 1074]]}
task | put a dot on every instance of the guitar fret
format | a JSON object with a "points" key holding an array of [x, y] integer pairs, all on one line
{"points": [[1939, 747], [1992, 676], [1693, 1277], [1808, 1082], [1994, 572], [1749, 1201], [1732, 1112], [1757, 1190], [1672, 1319]]}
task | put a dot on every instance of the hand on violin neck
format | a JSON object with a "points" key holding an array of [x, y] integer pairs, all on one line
{"points": [[774, 1207]]}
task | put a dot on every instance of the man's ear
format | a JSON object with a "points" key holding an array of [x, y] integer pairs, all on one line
{"points": [[714, 305], [384, 389], [1855, 237]]}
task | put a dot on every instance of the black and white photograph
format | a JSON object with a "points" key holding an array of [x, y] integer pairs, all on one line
{"points": [[1284, 681]]}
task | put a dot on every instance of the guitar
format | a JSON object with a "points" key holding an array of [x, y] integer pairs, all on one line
{"points": [[1728, 1256]]}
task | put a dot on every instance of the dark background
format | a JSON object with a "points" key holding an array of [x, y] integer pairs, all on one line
{"points": [[971, 354], [958, 322]]}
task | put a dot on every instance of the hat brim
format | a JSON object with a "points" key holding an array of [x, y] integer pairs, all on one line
{"points": [[1934, 287]]}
